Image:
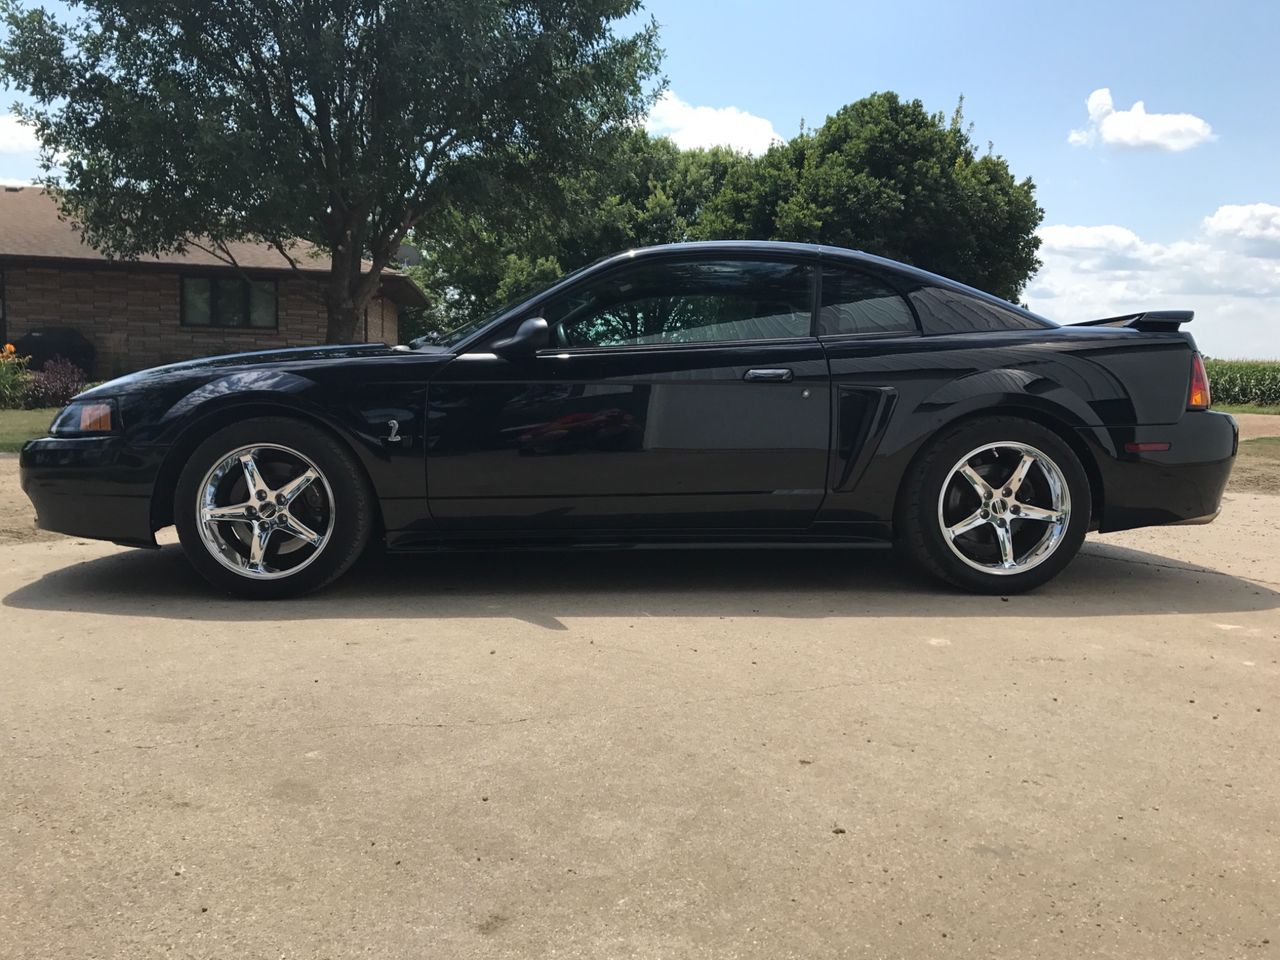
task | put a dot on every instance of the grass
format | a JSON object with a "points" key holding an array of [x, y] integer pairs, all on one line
{"points": [[1264, 446], [19, 426], [1246, 408]]}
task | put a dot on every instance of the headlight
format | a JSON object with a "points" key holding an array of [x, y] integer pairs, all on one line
{"points": [[87, 418]]}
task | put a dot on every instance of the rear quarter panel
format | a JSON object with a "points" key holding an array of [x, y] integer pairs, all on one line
{"points": [[890, 396]]}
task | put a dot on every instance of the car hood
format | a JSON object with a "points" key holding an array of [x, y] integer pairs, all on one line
{"points": [[230, 362]]}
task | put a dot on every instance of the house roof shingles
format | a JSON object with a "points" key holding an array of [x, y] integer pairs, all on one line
{"points": [[32, 229]]}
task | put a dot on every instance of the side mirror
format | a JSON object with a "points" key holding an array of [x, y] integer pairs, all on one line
{"points": [[530, 337]]}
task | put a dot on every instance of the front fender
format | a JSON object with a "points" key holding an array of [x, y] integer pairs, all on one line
{"points": [[381, 423]]}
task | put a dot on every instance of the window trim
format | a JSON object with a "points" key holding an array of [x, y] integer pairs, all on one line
{"points": [[687, 345], [246, 284], [813, 262], [854, 267]]}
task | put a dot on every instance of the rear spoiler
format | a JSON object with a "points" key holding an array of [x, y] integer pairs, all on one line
{"points": [[1153, 321]]}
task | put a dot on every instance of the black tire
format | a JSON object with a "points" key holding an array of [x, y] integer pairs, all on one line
{"points": [[342, 492], [922, 509]]}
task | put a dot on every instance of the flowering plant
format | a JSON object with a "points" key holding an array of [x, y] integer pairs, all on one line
{"points": [[13, 377], [54, 385]]}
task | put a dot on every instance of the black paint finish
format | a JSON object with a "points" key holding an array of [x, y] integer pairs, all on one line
{"points": [[653, 437], [763, 440]]}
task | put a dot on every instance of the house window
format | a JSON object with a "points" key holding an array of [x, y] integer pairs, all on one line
{"points": [[229, 302]]}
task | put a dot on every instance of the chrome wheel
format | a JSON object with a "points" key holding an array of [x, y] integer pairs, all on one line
{"points": [[265, 511], [1004, 508]]}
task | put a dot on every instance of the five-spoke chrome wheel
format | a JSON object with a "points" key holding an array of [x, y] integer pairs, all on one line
{"points": [[265, 511], [1004, 508]]}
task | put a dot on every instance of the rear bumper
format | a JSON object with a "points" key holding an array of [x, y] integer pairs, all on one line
{"points": [[1181, 485], [94, 487]]}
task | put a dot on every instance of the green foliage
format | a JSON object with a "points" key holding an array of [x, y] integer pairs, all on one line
{"points": [[881, 175], [13, 377], [1244, 382], [342, 122]]}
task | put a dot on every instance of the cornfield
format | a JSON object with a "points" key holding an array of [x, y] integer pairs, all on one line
{"points": [[1244, 381]]}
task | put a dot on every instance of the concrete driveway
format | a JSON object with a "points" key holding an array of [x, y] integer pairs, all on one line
{"points": [[660, 755]]}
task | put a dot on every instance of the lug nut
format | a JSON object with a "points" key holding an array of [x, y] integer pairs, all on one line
{"points": [[1006, 492], [261, 494]]}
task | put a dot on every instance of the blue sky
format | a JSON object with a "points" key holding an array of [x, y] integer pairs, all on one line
{"points": [[1130, 221], [1025, 70]]}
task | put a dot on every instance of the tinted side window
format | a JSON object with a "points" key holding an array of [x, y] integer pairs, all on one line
{"points": [[694, 301], [854, 302], [951, 311]]}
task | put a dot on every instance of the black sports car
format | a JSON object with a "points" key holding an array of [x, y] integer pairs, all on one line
{"points": [[717, 393]]}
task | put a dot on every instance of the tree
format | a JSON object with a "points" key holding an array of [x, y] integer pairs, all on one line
{"points": [[885, 176], [881, 175], [637, 190], [347, 123]]}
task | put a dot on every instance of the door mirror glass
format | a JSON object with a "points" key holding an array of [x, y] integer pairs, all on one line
{"points": [[530, 337]]}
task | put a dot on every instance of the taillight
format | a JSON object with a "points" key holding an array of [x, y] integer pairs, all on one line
{"points": [[1198, 396]]}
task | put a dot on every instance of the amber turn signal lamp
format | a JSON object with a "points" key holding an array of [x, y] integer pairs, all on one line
{"points": [[95, 418], [1198, 396]]}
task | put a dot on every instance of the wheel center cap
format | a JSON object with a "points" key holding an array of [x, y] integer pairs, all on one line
{"points": [[267, 510], [999, 507]]}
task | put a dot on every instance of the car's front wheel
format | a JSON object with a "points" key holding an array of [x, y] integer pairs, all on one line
{"points": [[272, 507], [996, 505]]}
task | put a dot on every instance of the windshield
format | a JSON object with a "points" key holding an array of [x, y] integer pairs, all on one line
{"points": [[462, 331]]}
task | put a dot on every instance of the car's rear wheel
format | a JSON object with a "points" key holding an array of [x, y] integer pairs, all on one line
{"points": [[272, 507], [996, 505]]}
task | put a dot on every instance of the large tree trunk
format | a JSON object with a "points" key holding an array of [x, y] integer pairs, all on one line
{"points": [[346, 298], [344, 324]]}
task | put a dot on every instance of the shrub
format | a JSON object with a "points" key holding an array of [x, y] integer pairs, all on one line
{"points": [[1244, 381], [55, 385], [13, 378]]}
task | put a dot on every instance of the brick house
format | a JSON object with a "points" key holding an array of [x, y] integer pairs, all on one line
{"points": [[142, 313]]}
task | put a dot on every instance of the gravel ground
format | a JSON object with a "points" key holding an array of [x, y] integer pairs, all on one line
{"points": [[690, 755]]}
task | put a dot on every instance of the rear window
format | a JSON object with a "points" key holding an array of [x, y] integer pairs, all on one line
{"points": [[855, 303], [943, 310]]}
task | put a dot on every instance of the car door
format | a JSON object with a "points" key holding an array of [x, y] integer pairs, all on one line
{"points": [[678, 392]]}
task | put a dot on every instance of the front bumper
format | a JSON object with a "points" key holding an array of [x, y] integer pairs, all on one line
{"points": [[95, 487], [1181, 485]]}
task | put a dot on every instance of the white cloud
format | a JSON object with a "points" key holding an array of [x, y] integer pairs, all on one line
{"points": [[14, 182], [1251, 227], [1231, 282], [1137, 128], [689, 126], [17, 137]]}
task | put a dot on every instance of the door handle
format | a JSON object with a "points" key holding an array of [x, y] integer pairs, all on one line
{"points": [[769, 375]]}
